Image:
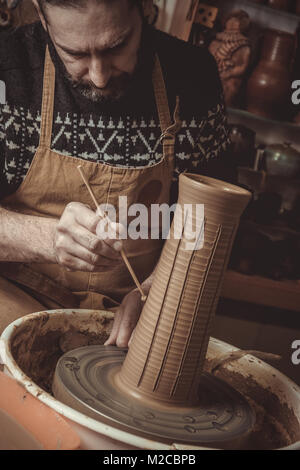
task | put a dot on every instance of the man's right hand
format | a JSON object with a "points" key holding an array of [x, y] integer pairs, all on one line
{"points": [[81, 244]]}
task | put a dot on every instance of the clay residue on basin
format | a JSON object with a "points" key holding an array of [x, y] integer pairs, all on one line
{"points": [[276, 423], [38, 344]]}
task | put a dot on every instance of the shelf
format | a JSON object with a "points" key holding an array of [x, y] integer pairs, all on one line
{"points": [[261, 14], [258, 290], [269, 10], [274, 229], [267, 130], [271, 122]]}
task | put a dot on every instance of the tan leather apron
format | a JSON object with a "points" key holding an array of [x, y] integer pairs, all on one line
{"points": [[53, 181]]}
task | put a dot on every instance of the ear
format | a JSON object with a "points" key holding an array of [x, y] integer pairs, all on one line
{"points": [[40, 13]]}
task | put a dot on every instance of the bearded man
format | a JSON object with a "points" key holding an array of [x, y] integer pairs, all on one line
{"points": [[92, 83]]}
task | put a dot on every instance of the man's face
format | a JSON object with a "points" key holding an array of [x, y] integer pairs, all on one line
{"points": [[98, 45]]}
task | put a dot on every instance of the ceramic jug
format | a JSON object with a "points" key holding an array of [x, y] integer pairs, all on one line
{"points": [[282, 160], [269, 87]]}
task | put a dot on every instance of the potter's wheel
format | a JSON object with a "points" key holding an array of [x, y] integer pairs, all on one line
{"points": [[84, 380]]}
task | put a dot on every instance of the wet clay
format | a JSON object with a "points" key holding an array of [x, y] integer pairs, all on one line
{"points": [[167, 354], [38, 344], [276, 424]]}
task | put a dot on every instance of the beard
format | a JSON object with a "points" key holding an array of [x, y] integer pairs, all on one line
{"points": [[114, 90]]}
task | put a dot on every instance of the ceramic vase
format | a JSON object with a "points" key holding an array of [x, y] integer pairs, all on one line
{"points": [[166, 357], [269, 87]]}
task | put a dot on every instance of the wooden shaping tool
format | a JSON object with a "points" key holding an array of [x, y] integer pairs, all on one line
{"points": [[124, 257]]}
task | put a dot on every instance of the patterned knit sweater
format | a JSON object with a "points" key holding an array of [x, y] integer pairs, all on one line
{"points": [[125, 133]]}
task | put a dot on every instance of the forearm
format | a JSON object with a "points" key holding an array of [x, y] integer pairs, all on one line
{"points": [[25, 238]]}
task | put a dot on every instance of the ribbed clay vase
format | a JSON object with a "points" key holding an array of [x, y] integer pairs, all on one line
{"points": [[269, 87], [166, 357]]}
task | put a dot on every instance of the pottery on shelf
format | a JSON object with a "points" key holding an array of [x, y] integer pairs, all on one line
{"points": [[282, 160], [269, 87], [166, 356], [232, 50]]}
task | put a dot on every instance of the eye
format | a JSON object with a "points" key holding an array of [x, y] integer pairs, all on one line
{"points": [[116, 48], [119, 46], [77, 55]]}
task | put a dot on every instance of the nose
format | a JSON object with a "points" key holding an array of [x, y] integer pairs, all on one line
{"points": [[100, 71]]}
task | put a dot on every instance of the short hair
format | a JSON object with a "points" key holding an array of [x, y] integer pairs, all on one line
{"points": [[79, 3]]}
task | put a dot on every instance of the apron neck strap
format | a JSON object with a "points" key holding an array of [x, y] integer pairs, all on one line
{"points": [[161, 96], [47, 102], [168, 129]]}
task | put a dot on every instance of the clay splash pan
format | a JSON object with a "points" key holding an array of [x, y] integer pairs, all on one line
{"points": [[87, 380]]}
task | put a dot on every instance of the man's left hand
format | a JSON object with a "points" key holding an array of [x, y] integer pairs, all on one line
{"points": [[127, 316]]}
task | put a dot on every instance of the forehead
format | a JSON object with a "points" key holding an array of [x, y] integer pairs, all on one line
{"points": [[97, 25]]}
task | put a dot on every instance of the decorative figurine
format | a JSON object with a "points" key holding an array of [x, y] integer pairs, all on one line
{"points": [[232, 50]]}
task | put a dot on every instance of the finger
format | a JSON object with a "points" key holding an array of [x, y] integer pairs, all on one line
{"points": [[131, 338], [84, 216], [131, 314], [111, 233], [93, 259], [92, 243], [114, 332], [73, 264]]}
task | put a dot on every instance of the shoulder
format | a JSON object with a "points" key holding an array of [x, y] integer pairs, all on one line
{"points": [[22, 47], [22, 53], [190, 70]]}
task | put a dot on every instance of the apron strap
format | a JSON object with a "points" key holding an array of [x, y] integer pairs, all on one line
{"points": [[168, 129], [47, 102]]}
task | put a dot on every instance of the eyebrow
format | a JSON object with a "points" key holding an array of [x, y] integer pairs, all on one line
{"points": [[116, 43]]}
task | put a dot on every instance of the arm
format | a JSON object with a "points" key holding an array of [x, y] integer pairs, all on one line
{"points": [[214, 147], [26, 239], [23, 238], [73, 241]]}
